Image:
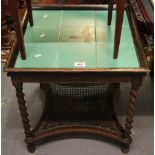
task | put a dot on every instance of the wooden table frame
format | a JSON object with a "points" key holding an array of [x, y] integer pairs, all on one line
{"points": [[109, 75]]}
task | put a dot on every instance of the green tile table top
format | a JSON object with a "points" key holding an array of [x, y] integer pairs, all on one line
{"points": [[78, 18], [39, 56], [76, 39], [127, 56], [101, 18], [105, 34], [73, 55], [77, 34], [47, 18], [41, 34]]}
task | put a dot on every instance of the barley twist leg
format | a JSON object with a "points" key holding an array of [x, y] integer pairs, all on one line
{"points": [[24, 115], [130, 113]]}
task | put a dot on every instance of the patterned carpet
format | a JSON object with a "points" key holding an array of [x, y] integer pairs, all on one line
{"points": [[69, 1]]}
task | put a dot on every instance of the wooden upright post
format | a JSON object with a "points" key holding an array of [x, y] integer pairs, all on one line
{"points": [[110, 9], [119, 21], [29, 11], [18, 28]]}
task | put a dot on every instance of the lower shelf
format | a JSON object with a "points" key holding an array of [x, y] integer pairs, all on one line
{"points": [[79, 108], [110, 126], [105, 129]]}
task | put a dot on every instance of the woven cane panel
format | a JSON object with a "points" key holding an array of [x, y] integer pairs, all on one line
{"points": [[78, 102], [84, 105]]}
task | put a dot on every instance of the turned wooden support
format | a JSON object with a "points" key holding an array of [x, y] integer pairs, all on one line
{"points": [[29, 11], [110, 9], [18, 28], [22, 106], [136, 83], [18, 84], [120, 7]]}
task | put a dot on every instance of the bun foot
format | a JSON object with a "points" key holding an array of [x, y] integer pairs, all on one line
{"points": [[31, 147], [43, 85], [125, 150]]}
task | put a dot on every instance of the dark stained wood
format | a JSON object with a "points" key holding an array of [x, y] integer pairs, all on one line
{"points": [[136, 38], [75, 77], [22, 107], [120, 7], [101, 132], [18, 28], [69, 7], [108, 70], [136, 83], [12, 56], [18, 84], [29, 10], [110, 9], [31, 147]]}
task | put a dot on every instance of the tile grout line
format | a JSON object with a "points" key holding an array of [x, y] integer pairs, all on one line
{"points": [[59, 39]]}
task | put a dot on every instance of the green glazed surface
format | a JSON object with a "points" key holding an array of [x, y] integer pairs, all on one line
{"points": [[76, 39]]}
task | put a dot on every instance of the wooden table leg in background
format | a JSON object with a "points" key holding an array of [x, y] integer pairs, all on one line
{"points": [[29, 10], [18, 84], [120, 7], [18, 28], [130, 112], [110, 9]]}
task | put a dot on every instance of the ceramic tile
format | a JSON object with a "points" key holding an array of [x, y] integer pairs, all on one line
{"points": [[41, 34], [78, 18], [77, 34], [126, 59], [77, 46], [126, 36], [76, 55], [101, 18], [125, 19], [47, 17], [107, 33], [104, 34], [39, 56]]}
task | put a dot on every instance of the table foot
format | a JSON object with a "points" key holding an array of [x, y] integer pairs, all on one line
{"points": [[125, 150], [41, 86], [31, 147]]}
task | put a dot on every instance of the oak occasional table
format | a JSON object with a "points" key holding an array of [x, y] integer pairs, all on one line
{"points": [[72, 59]]}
